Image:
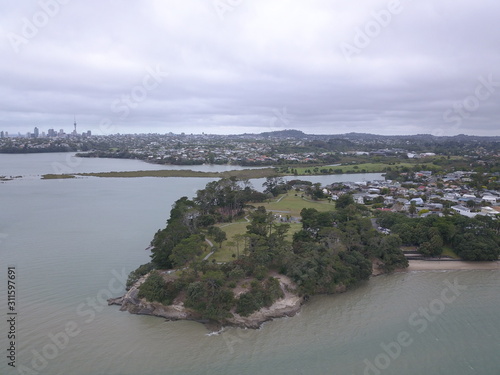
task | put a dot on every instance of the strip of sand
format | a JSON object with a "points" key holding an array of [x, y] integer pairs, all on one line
{"points": [[443, 265]]}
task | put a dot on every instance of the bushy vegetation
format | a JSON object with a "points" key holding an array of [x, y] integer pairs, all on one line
{"points": [[334, 250], [156, 289], [180, 226], [260, 295], [138, 273], [470, 238], [209, 296]]}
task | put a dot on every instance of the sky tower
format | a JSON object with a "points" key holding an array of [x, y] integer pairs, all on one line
{"points": [[74, 124]]}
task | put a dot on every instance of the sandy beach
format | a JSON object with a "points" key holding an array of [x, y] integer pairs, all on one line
{"points": [[442, 265]]}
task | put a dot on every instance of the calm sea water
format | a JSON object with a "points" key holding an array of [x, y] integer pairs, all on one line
{"points": [[33, 165], [74, 241]]}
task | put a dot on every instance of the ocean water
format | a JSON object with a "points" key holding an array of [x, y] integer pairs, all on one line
{"points": [[33, 165], [73, 242]]}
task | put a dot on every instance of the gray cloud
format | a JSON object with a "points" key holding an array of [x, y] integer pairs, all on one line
{"points": [[232, 69]]}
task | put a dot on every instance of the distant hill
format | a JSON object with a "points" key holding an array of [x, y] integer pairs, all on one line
{"points": [[293, 133], [288, 133]]}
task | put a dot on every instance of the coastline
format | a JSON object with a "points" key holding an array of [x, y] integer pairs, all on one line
{"points": [[287, 306], [446, 265]]}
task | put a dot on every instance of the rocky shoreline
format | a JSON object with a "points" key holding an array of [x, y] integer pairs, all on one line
{"points": [[287, 306]]}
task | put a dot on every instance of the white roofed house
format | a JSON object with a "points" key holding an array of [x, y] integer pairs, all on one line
{"points": [[489, 199], [462, 210], [488, 211], [359, 198], [418, 201], [451, 197], [468, 196], [434, 206], [389, 200], [403, 191]]}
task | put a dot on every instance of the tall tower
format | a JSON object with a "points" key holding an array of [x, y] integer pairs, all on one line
{"points": [[74, 131]]}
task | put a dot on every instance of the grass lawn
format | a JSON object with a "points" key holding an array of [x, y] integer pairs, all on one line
{"points": [[361, 167], [291, 205], [225, 254], [294, 228]]}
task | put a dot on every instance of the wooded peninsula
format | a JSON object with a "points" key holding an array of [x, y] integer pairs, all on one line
{"points": [[266, 262]]}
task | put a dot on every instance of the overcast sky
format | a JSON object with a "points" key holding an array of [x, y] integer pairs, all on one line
{"points": [[235, 66]]}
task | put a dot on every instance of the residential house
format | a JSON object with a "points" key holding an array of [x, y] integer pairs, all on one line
{"points": [[464, 211]]}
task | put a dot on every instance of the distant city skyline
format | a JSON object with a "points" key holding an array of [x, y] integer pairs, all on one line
{"points": [[386, 67], [38, 132]]}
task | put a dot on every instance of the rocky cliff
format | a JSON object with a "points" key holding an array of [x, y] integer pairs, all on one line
{"points": [[289, 305]]}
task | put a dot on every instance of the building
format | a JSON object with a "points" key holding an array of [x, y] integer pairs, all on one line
{"points": [[388, 200], [417, 201], [488, 211], [464, 211], [435, 206], [489, 199]]}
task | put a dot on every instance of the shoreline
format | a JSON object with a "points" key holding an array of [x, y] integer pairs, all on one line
{"points": [[444, 265], [287, 306]]}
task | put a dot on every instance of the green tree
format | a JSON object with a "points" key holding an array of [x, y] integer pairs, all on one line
{"points": [[261, 222], [218, 235], [155, 288], [412, 209], [274, 185], [187, 250], [344, 201], [239, 239]]}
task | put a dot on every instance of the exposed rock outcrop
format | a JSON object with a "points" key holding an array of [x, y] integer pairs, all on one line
{"points": [[289, 305]]}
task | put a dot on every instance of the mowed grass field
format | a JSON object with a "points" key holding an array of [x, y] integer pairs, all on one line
{"points": [[365, 167], [229, 247], [287, 204], [225, 254], [291, 204]]}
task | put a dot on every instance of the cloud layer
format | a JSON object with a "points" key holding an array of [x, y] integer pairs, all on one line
{"points": [[234, 66]]}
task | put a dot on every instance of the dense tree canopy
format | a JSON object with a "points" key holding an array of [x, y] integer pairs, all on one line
{"points": [[471, 238]]}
